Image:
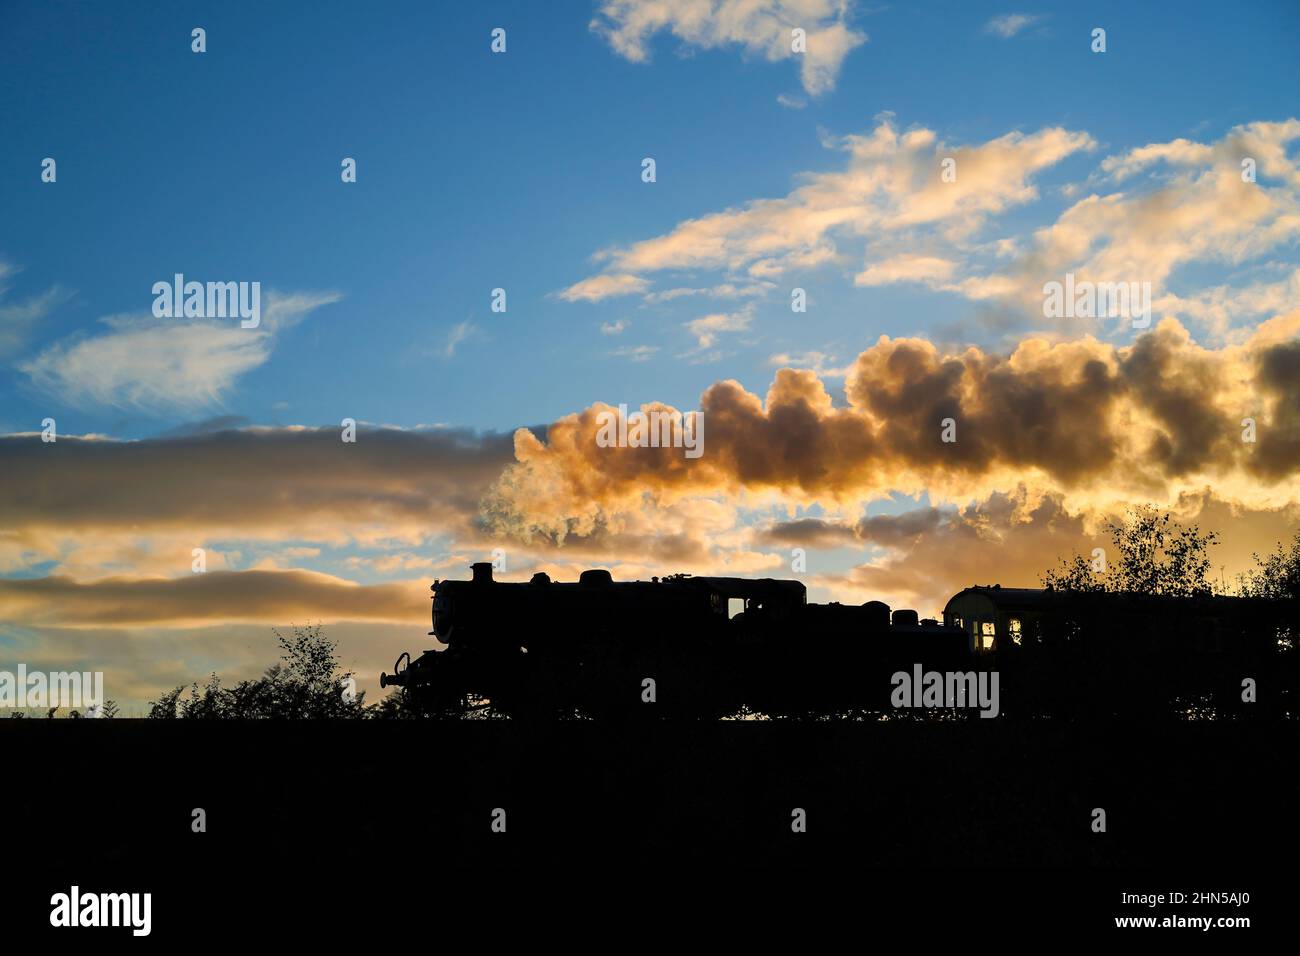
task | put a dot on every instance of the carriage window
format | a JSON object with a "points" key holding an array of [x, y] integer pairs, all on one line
{"points": [[1013, 628], [956, 622], [735, 606], [986, 634]]}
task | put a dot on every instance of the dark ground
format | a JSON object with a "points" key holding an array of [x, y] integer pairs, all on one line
{"points": [[368, 827]]}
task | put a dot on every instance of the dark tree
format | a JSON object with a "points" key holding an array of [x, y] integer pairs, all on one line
{"points": [[165, 707], [1152, 554], [308, 683], [1276, 576]]}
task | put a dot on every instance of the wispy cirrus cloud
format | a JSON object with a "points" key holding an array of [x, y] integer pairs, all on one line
{"points": [[635, 353], [150, 364], [1008, 25], [723, 290], [18, 320], [457, 335]]}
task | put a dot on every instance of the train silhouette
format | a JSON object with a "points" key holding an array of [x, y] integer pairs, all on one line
{"points": [[719, 646]]}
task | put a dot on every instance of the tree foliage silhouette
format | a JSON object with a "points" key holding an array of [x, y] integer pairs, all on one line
{"points": [[308, 683], [1153, 555], [1277, 575]]}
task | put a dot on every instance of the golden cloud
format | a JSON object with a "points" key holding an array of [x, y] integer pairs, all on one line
{"points": [[1099, 422]]}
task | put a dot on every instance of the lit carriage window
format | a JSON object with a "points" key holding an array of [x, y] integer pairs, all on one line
{"points": [[1013, 628], [735, 606], [986, 634], [956, 622]]}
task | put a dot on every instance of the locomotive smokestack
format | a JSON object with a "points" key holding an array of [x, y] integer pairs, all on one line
{"points": [[482, 572]]}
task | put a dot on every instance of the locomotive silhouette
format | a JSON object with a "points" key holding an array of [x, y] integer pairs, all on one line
{"points": [[717, 646]]}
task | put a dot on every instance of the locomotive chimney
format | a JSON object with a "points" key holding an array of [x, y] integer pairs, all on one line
{"points": [[482, 572]]}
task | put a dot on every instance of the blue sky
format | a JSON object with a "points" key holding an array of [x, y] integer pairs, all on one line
{"points": [[479, 171], [775, 171]]}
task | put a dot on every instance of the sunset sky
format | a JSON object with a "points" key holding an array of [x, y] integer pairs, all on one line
{"points": [[522, 171]]}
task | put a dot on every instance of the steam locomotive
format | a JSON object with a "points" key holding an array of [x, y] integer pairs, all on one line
{"points": [[717, 646], [698, 646]]}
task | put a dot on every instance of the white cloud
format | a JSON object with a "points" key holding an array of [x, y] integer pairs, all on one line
{"points": [[891, 184], [148, 363], [18, 320], [1193, 207], [459, 332], [637, 353], [820, 362], [613, 328], [1008, 25], [1142, 216], [707, 329], [724, 290], [760, 27], [602, 287], [1216, 308], [905, 268]]}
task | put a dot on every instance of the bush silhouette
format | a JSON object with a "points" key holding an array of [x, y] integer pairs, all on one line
{"points": [[307, 683]]}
